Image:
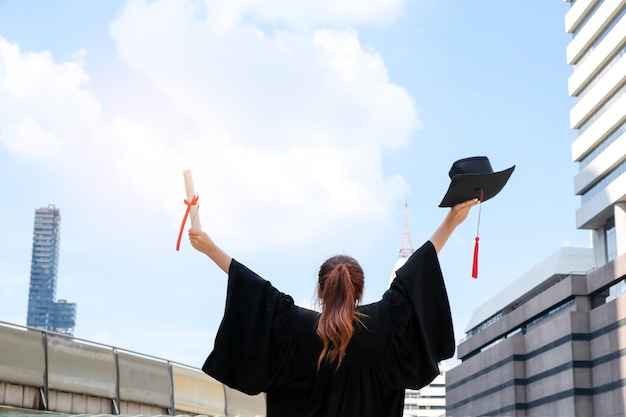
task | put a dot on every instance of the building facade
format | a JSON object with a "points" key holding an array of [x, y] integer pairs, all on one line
{"points": [[597, 53], [44, 311], [554, 341], [557, 350], [429, 401], [527, 350]]}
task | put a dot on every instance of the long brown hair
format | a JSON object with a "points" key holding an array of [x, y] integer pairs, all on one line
{"points": [[340, 288]]}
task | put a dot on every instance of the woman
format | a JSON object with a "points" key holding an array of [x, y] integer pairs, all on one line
{"points": [[347, 361]]}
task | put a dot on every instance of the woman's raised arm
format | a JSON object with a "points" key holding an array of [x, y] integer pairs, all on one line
{"points": [[455, 217], [203, 243]]}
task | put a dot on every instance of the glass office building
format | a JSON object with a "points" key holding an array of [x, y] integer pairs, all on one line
{"points": [[43, 310]]}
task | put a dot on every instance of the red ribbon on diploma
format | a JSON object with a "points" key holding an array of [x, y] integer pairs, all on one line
{"points": [[193, 202]]}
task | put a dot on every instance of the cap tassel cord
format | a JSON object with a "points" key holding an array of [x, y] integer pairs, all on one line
{"points": [[475, 264], [193, 202]]}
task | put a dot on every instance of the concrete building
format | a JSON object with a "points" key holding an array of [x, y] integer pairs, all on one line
{"points": [[429, 401], [554, 342], [598, 82], [43, 310], [527, 349]]}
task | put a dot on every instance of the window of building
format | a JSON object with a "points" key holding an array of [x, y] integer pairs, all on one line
{"points": [[603, 183], [601, 110], [616, 290], [599, 39], [485, 324], [610, 239], [568, 305], [612, 137], [607, 294], [591, 12], [561, 308], [596, 78]]}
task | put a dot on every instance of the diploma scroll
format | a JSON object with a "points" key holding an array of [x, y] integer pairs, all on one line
{"points": [[192, 207], [191, 193]]}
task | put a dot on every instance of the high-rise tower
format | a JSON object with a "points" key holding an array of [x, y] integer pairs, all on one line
{"points": [[597, 53], [43, 311], [406, 246]]}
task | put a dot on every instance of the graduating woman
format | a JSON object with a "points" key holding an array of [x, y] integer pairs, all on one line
{"points": [[349, 360]]}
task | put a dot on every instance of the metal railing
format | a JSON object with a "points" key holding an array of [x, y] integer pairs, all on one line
{"points": [[48, 361]]}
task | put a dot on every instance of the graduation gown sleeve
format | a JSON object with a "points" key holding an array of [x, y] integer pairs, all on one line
{"points": [[251, 350], [429, 338]]}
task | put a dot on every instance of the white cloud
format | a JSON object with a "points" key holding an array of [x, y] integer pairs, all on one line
{"points": [[306, 13], [283, 126], [284, 130], [28, 139], [46, 111]]}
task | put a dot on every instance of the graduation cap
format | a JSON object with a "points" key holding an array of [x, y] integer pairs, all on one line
{"points": [[471, 178]]}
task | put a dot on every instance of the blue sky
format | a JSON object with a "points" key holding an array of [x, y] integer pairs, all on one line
{"points": [[305, 126]]}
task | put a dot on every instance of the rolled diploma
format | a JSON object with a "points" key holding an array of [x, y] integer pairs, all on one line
{"points": [[191, 192]]}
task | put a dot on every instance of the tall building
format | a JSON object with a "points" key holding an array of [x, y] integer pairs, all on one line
{"points": [[526, 351], [430, 401], [552, 343], [597, 53], [43, 310], [406, 246]]}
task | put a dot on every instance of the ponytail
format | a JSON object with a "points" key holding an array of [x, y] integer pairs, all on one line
{"points": [[340, 289]]}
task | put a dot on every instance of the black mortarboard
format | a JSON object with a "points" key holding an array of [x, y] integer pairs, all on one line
{"points": [[470, 175], [474, 178]]}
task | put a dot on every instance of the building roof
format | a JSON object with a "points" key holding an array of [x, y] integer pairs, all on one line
{"points": [[565, 261]]}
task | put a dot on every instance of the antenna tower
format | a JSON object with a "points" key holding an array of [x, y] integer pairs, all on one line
{"points": [[406, 247]]}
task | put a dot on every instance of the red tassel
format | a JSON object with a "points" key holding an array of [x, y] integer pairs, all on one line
{"points": [[475, 264]]}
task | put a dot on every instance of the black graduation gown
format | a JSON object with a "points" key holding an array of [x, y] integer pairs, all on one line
{"points": [[266, 343]]}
